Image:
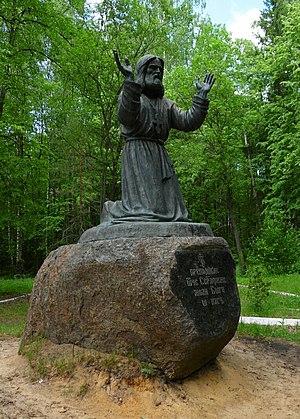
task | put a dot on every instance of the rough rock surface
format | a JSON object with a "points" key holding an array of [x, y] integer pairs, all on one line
{"points": [[172, 300]]}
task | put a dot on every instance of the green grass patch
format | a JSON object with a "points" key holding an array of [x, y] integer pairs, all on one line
{"points": [[13, 314], [12, 318], [285, 283], [274, 305], [13, 287], [12, 329], [283, 332], [257, 300]]}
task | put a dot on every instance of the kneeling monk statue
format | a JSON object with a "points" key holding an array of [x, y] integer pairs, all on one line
{"points": [[150, 188]]}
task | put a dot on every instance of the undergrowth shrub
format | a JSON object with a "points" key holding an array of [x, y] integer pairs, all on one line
{"points": [[278, 247], [258, 288]]}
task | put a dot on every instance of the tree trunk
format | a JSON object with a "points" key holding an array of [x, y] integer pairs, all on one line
{"points": [[253, 184], [81, 229], [2, 99], [235, 231]]}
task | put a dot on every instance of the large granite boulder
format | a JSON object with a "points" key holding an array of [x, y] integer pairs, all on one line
{"points": [[173, 300]]}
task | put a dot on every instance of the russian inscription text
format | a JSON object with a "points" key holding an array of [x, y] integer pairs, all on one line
{"points": [[205, 284]]}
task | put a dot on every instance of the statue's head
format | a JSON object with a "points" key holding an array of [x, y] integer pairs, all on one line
{"points": [[149, 71]]}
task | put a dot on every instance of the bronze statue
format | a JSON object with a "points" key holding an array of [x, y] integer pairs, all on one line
{"points": [[150, 189]]}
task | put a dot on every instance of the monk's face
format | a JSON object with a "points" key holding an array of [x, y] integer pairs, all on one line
{"points": [[154, 75]]}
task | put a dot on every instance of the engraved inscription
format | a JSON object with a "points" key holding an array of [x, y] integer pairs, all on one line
{"points": [[216, 301], [200, 292], [204, 281], [218, 280], [207, 284], [204, 271], [217, 290], [191, 282]]}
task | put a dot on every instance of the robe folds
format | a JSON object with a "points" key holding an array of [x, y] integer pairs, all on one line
{"points": [[150, 188]]}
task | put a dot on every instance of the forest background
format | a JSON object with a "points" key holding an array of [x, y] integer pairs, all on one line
{"points": [[60, 145]]}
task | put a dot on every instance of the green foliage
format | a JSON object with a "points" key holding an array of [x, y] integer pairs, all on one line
{"points": [[258, 288], [278, 247], [148, 370], [60, 145], [280, 71], [59, 135], [215, 169]]}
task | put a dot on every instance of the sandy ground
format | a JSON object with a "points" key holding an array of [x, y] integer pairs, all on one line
{"points": [[250, 379]]}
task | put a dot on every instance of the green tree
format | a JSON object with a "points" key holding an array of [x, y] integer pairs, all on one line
{"points": [[58, 96], [28, 28], [216, 172], [280, 145]]}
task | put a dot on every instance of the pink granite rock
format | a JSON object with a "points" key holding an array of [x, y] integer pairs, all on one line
{"points": [[172, 300]]}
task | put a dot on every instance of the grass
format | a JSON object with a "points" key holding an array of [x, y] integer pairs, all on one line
{"points": [[12, 315], [287, 333], [49, 360], [45, 365], [286, 283], [12, 318], [274, 305], [14, 287]]}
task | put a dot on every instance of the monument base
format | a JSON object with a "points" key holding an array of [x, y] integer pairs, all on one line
{"points": [[143, 229], [172, 300]]}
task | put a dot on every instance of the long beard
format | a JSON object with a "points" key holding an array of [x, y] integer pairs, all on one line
{"points": [[154, 90]]}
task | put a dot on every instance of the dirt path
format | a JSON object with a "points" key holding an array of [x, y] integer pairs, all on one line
{"points": [[250, 379]]}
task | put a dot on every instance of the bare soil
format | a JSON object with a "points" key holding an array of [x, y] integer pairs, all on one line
{"points": [[250, 379]]}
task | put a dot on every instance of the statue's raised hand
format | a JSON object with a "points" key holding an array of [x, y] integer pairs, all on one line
{"points": [[125, 69], [205, 86]]}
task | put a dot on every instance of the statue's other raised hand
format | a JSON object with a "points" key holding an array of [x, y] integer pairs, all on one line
{"points": [[125, 69], [205, 86]]}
